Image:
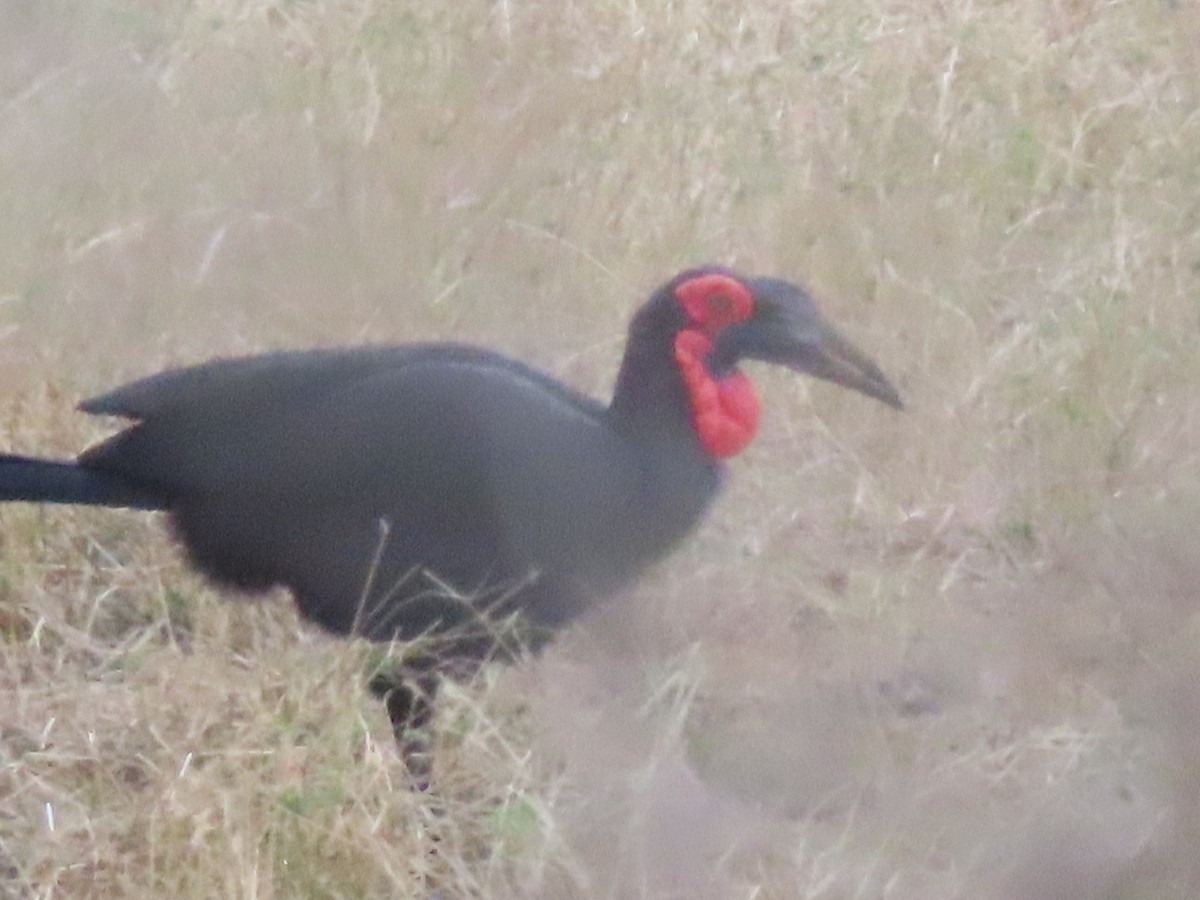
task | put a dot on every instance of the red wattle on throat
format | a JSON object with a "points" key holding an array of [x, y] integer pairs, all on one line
{"points": [[725, 410]]}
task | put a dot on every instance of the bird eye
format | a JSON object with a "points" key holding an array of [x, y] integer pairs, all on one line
{"points": [[714, 300]]}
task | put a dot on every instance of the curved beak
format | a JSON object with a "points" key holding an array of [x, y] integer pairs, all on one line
{"points": [[788, 330], [835, 359]]}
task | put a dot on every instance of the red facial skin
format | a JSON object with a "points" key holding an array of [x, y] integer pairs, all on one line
{"points": [[725, 410]]}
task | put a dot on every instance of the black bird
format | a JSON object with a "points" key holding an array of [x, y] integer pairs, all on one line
{"points": [[426, 489]]}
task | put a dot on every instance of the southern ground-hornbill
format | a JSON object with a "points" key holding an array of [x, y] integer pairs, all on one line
{"points": [[421, 491]]}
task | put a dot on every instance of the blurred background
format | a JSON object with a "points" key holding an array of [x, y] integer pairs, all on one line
{"points": [[949, 653]]}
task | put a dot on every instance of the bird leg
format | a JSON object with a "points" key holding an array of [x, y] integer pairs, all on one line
{"points": [[408, 696]]}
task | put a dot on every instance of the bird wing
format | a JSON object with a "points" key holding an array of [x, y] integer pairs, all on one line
{"points": [[454, 436], [267, 380]]}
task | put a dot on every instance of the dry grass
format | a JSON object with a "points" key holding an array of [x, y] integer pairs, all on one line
{"points": [[950, 654]]}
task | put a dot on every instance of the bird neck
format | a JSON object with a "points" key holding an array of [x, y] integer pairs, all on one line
{"points": [[666, 396], [650, 401], [679, 477]]}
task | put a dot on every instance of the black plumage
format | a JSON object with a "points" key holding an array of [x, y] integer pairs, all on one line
{"points": [[403, 491]]}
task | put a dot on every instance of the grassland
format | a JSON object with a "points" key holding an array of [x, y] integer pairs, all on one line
{"points": [[948, 654]]}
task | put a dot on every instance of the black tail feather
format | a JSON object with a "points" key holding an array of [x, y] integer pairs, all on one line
{"points": [[23, 478]]}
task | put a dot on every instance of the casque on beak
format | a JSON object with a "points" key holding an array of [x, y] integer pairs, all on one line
{"points": [[787, 329]]}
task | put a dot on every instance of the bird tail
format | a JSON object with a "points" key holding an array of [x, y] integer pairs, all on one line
{"points": [[23, 478]]}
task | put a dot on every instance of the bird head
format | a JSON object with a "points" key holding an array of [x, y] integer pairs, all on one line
{"points": [[785, 327], [719, 318]]}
